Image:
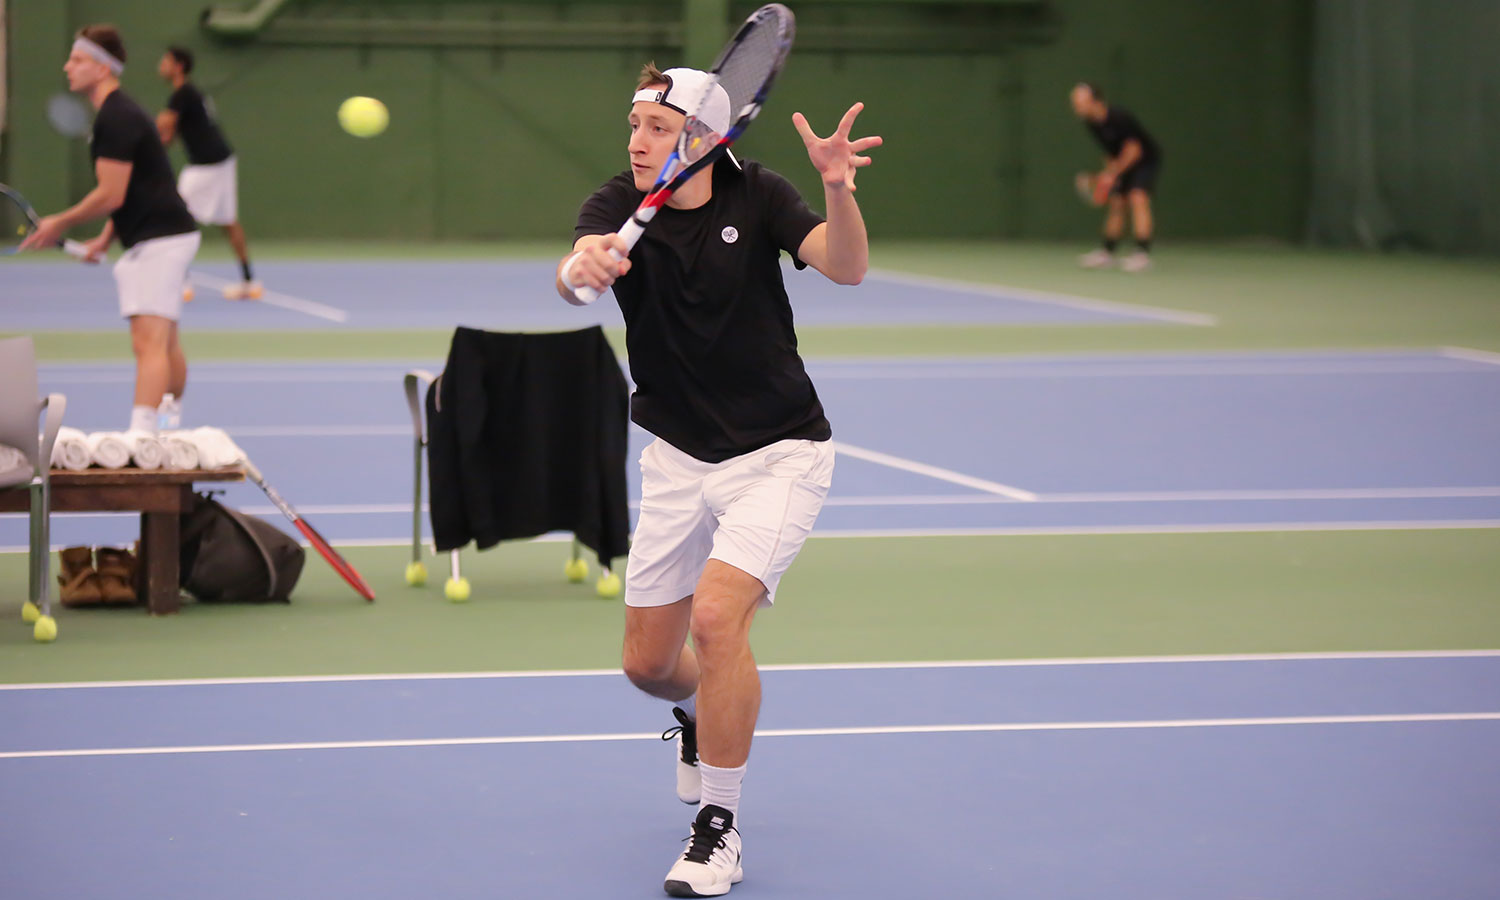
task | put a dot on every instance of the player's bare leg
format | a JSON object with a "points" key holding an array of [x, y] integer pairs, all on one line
{"points": [[1140, 217], [659, 662], [1114, 229], [150, 340]]}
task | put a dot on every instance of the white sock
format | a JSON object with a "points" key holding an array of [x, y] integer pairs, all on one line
{"points": [[143, 418], [689, 706], [721, 787]]}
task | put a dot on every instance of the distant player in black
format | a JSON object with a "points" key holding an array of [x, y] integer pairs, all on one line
{"points": [[209, 183], [1131, 164], [743, 457], [135, 190]]}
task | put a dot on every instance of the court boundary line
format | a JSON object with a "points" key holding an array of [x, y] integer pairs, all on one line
{"points": [[1049, 298], [1041, 662], [1469, 354], [274, 298], [861, 731], [936, 472]]}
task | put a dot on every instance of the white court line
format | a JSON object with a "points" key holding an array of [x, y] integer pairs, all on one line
{"points": [[907, 465], [1135, 310], [1045, 662], [1150, 370], [990, 728], [1470, 355], [275, 298]]}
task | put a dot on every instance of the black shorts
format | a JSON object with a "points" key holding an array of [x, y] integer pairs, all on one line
{"points": [[1139, 177]]}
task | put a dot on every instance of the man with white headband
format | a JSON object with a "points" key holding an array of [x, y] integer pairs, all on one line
{"points": [[137, 192], [744, 456]]}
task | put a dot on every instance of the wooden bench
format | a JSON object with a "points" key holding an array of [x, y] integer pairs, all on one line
{"points": [[161, 496]]}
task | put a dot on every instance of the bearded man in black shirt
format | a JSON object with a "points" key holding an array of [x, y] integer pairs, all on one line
{"points": [[743, 457], [135, 190], [1131, 165]]}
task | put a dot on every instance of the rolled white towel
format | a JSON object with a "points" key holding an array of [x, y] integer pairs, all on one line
{"points": [[11, 458], [71, 450], [109, 449], [182, 453], [215, 448], [146, 450]]}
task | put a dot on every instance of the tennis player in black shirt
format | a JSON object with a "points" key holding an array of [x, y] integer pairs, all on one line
{"points": [[743, 456], [209, 183], [1131, 165], [135, 190]]}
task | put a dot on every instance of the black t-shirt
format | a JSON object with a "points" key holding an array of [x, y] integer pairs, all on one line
{"points": [[708, 324], [1120, 126], [201, 136], [152, 209]]}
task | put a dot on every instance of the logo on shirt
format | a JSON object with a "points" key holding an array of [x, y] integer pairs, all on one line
{"points": [[730, 234]]}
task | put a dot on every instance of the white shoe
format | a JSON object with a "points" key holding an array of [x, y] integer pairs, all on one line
{"points": [[1097, 259], [1139, 261], [711, 863], [689, 778], [245, 290]]}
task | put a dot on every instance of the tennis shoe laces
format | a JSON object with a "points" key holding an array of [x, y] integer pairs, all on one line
{"points": [[689, 779]]}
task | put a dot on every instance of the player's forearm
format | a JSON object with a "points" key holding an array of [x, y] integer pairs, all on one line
{"points": [[1130, 154], [95, 204], [848, 243]]}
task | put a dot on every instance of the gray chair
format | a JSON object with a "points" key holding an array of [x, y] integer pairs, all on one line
{"points": [[20, 413]]}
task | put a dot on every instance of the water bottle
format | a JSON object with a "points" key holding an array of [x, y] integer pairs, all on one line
{"points": [[168, 414]]}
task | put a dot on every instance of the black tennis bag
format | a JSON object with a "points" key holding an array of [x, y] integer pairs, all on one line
{"points": [[229, 557]]}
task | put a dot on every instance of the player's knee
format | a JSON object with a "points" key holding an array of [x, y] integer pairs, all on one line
{"points": [[720, 624], [646, 672]]}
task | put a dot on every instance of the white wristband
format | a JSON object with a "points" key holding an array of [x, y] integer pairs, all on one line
{"points": [[567, 269]]}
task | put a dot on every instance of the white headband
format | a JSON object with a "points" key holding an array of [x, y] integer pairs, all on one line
{"points": [[99, 54]]}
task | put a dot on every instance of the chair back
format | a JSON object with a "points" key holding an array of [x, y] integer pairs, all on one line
{"points": [[20, 405]]}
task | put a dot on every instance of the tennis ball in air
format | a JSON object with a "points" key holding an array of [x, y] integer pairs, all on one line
{"points": [[457, 589], [29, 612], [416, 573], [45, 629], [363, 116], [576, 570], [608, 585]]}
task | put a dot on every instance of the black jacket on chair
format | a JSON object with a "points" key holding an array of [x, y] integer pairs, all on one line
{"points": [[526, 434]]}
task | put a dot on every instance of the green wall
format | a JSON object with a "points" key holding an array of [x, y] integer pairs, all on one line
{"points": [[501, 143]]}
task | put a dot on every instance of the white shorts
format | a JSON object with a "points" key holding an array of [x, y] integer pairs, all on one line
{"points": [[211, 192], [752, 512], [150, 275]]}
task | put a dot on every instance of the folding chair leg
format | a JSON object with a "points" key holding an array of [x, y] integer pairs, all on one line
{"points": [[457, 588]]}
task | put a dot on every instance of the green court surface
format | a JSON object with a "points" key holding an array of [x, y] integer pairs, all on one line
{"points": [[891, 598]]}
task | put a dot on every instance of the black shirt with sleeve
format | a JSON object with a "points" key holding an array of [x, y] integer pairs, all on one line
{"points": [[201, 136], [1120, 126], [708, 324], [152, 209]]}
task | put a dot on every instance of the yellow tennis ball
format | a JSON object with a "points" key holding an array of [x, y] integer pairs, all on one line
{"points": [[608, 585], [416, 574], [29, 612], [457, 589], [363, 116], [576, 570], [45, 629]]}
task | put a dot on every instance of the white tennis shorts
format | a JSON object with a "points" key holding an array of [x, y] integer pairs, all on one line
{"points": [[211, 192], [150, 275], [752, 512]]}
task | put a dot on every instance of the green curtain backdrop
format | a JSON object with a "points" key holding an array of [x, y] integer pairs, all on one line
{"points": [[1406, 125]]}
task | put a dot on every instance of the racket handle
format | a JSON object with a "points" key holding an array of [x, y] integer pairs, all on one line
{"points": [[75, 249], [631, 231]]}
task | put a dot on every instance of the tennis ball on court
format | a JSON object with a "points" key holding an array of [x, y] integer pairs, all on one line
{"points": [[29, 612], [576, 570], [363, 116], [416, 574], [608, 585], [457, 589], [45, 629]]}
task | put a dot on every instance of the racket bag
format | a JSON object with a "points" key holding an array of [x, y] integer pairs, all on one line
{"points": [[227, 556]]}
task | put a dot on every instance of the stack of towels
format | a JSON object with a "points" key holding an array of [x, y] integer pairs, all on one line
{"points": [[196, 448]]}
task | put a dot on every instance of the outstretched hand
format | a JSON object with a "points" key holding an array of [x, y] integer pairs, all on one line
{"points": [[836, 157]]}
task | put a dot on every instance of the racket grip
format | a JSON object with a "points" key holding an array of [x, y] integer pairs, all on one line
{"points": [[631, 231], [75, 249]]}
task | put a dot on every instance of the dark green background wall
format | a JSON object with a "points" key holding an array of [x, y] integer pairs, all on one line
{"points": [[504, 143]]}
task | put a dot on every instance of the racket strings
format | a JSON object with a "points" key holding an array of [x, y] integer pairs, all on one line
{"points": [[749, 64]]}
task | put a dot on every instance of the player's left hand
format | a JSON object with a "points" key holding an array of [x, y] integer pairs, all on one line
{"points": [[836, 157], [48, 233]]}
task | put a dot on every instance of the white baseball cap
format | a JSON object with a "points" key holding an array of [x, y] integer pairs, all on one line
{"points": [[684, 86]]}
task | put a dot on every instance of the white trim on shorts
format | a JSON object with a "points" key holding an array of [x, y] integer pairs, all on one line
{"points": [[211, 192], [753, 512], [150, 275]]}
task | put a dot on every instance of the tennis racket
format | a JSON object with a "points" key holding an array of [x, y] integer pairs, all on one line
{"points": [[1092, 189], [340, 565], [18, 220], [745, 69]]}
